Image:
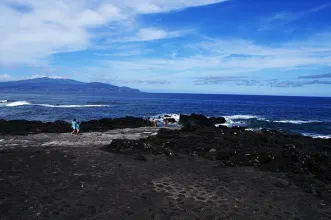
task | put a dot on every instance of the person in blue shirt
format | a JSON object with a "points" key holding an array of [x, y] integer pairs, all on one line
{"points": [[77, 127], [73, 126]]}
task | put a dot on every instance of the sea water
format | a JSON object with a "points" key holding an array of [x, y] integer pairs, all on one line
{"points": [[309, 116]]}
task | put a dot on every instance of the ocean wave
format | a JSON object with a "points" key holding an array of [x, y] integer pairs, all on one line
{"points": [[253, 129], [70, 106], [162, 117], [244, 120], [17, 103], [316, 136], [238, 117], [296, 122], [239, 120], [22, 103], [3, 101]]}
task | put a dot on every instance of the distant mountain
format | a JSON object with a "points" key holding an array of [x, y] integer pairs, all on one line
{"points": [[46, 84]]}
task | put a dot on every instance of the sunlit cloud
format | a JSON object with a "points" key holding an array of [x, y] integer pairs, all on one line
{"points": [[33, 30]]}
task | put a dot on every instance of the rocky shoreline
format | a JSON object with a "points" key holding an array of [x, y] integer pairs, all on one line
{"points": [[307, 161], [24, 127], [126, 169]]}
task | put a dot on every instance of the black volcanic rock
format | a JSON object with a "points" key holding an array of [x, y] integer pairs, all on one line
{"points": [[117, 123], [170, 120], [46, 84], [23, 127], [200, 120], [125, 147], [218, 120], [300, 157], [140, 158]]}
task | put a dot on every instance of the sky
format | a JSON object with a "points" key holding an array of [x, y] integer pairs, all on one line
{"points": [[178, 46]]}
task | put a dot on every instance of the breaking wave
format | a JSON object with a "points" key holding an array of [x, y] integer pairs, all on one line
{"points": [[297, 122], [256, 123], [317, 136], [71, 106], [162, 117], [240, 120], [22, 103], [245, 120], [17, 103], [235, 117]]}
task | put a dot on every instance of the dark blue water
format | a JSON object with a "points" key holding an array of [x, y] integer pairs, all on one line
{"points": [[305, 115]]}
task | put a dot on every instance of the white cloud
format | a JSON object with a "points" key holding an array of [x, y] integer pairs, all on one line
{"points": [[151, 34], [42, 76], [126, 53], [156, 6], [219, 57], [285, 17], [101, 15], [5, 77], [50, 27]]}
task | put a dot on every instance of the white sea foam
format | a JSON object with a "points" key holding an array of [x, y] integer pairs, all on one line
{"points": [[160, 118], [322, 136], [230, 123], [317, 136], [240, 120], [296, 122], [237, 117], [3, 101], [237, 120], [22, 103], [174, 116], [253, 129], [17, 103], [71, 106]]}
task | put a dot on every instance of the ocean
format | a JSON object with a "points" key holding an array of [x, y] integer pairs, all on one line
{"points": [[310, 116]]}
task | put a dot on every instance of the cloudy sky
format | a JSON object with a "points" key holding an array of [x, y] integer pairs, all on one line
{"points": [[194, 46]]}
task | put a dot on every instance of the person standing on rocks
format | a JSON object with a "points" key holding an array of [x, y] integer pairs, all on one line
{"points": [[77, 127], [166, 123], [154, 122], [73, 126]]}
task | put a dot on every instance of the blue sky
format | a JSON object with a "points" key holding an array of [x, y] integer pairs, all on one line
{"points": [[192, 46]]}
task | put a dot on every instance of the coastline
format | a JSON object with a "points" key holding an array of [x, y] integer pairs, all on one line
{"points": [[156, 173]]}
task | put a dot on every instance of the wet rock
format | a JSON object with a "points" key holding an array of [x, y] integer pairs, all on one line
{"points": [[200, 120], [170, 120], [219, 120]]}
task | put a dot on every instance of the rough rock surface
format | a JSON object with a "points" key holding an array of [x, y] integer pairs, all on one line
{"points": [[207, 173], [171, 120], [304, 159], [85, 139], [200, 120], [86, 183], [23, 127]]}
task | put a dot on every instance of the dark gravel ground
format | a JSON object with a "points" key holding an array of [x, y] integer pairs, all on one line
{"points": [[88, 183]]}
